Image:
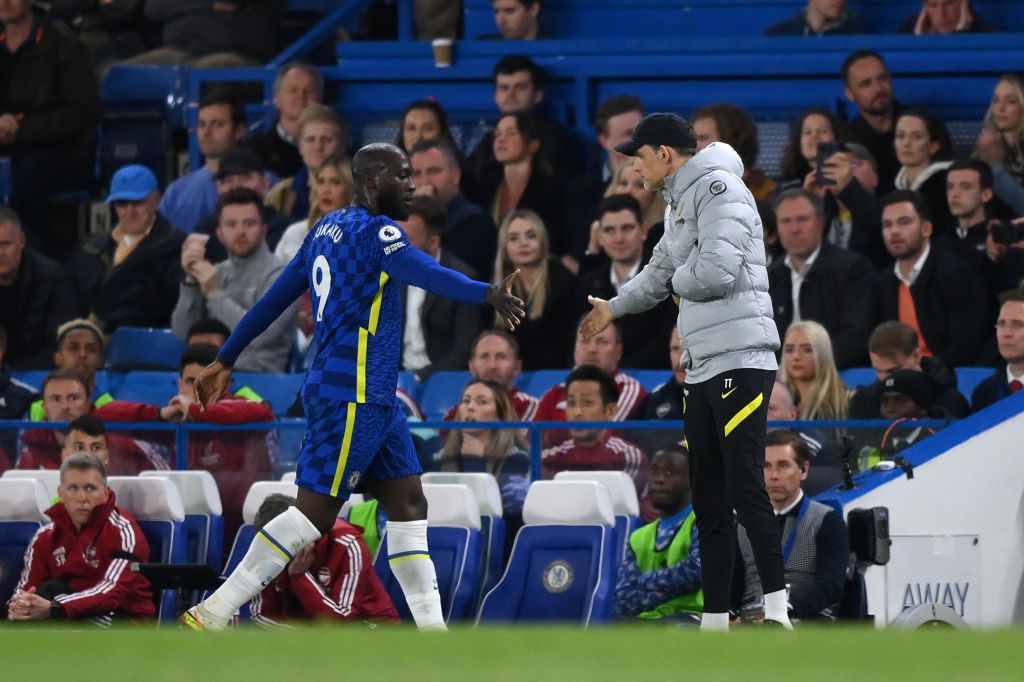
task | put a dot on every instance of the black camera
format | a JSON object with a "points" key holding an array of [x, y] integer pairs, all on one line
{"points": [[1006, 233], [825, 151], [869, 535]]}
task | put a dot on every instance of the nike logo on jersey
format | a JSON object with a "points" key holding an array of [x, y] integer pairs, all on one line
{"points": [[729, 392]]}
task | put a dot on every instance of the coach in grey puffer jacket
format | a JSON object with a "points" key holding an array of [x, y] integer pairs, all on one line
{"points": [[712, 257]]}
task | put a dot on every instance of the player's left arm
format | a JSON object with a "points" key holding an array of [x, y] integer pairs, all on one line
{"points": [[410, 266], [711, 268]]}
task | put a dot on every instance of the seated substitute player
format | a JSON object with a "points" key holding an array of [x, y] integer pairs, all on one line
{"points": [[332, 578], [355, 261], [660, 574], [77, 566]]}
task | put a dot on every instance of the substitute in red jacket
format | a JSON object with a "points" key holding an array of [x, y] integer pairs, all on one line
{"points": [[590, 397], [237, 459], [79, 565], [330, 579]]}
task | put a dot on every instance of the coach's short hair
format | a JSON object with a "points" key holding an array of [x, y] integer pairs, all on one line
{"points": [[82, 461], [801, 451], [891, 338], [609, 391]]}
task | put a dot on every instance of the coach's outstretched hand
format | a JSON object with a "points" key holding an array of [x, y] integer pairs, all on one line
{"points": [[212, 383], [598, 319], [509, 307]]}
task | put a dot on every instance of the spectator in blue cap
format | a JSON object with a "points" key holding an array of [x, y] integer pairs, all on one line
{"points": [[129, 275]]}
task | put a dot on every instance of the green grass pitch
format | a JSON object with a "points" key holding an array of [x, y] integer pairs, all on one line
{"points": [[524, 654]]}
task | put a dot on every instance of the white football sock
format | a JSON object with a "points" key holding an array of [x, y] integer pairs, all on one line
{"points": [[776, 608], [714, 622], [410, 561], [270, 551]]}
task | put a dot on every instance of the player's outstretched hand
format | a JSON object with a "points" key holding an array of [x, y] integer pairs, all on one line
{"points": [[212, 383], [598, 319], [509, 307]]}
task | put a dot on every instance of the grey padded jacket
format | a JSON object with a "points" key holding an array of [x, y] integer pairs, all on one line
{"points": [[712, 257]]}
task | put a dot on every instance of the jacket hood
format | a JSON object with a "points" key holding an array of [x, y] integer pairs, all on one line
{"points": [[942, 377], [716, 156]]}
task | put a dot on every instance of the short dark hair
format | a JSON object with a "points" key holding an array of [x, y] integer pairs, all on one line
{"points": [[239, 196], [309, 69], [892, 337], [82, 461], [1011, 295], [209, 325], [801, 451], [88, 424], [501, 333], [74, 325], [8, 215], [61, 375], [614, 106], [817, 203], [983, 170], [937, 131], [855, 57], [445, 146], [432, 212], [219, 97], [198, 354], [513, 63], [609, 391], [273, 506], [736, 127], [900, 196], [620, 202]]}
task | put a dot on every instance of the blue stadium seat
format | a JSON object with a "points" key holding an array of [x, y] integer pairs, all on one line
{"points": [[543, 379], [858, 376], [650, 379], [22, 503], [968, 378], [204, 515], [456, 548], [154, 388], [156, 505], [280, 390], [31, 377], [562, 566], [244, 537], [441, 391], [492, 524], [625, 504], [408, 382], [144, 348]]}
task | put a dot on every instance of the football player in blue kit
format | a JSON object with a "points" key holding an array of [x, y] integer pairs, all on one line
{"points": [[355, 260]]}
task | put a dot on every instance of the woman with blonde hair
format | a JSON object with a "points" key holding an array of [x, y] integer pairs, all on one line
{"points": [[547, 334], [809, 370], [332, 189], [1001, 141], [500, 452]]}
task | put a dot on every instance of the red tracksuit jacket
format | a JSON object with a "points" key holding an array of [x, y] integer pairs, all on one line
{"points": [[237, 459], [611, 453], [86, 560], [552, 407], [340, 584]]}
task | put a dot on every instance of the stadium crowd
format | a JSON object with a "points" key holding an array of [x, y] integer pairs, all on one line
{"points": [[885, 248]]}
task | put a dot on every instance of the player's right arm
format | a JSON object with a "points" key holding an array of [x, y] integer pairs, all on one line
{"points": [[213, 381]]}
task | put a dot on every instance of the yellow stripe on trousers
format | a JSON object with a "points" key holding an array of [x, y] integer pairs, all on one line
{"points": [[747, 410], [346, 444]]}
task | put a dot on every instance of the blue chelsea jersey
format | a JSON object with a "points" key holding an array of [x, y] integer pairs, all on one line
{"points": [[357, 310]]}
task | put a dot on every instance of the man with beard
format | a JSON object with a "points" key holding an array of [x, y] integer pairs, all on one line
{"points": [[868, 84]]}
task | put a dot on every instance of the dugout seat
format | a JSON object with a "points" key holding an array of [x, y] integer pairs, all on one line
{"points": [[50, 478], [858, 376], [650, 379], [543, 379], [456, 548], [156, 504], [488, 499], [625, 504], [279, 390], [562, 566], [144, 348], [968, 378], [22, 503], [151, 387], [204, 514]]}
